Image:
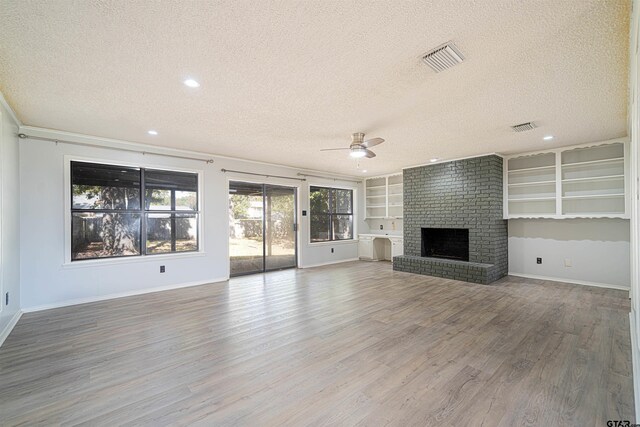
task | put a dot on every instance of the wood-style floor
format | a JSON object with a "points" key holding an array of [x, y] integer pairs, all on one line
{"points": [[348, 344]]}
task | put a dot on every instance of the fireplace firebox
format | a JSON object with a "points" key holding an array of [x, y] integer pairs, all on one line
{"points": [[447, 243]]}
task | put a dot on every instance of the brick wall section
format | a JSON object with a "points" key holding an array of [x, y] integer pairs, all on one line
{"points": [[458, 194]]}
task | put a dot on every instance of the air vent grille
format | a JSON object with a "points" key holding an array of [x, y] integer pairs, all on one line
{"points": [[523, 127], [443, 57]]}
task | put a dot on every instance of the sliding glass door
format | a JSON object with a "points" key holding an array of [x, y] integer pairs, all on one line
{"points": [[262, 233], [246, 224]]}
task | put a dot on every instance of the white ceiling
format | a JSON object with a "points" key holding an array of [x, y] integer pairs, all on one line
{"points": [[282, 79]]}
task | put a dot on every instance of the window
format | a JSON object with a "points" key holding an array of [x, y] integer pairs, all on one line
{"points": [[120, 211], [331, 214]]}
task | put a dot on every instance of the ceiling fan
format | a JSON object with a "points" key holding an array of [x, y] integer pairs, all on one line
{"points": [[359, 147]]}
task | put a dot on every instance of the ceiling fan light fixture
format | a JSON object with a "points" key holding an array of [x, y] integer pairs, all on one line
{"points": [[359, 148], [358, 152]]}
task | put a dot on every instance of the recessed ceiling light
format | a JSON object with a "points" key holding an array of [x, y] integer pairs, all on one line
{"points": [[191, 83], [364, 170], [548, 138], [434, 160], [152, 132]]}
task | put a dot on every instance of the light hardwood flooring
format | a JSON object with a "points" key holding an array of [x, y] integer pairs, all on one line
{"points": [[348, 344]]}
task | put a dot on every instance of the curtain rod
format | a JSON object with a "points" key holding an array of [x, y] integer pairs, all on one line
{"points": [[262, 174], [86, 144], [329, 177]]}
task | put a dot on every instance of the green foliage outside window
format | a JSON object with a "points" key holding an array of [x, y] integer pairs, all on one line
{"points": [[331, 214]]}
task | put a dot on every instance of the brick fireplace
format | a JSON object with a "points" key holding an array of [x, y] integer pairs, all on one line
{"points": [[453, 225]]}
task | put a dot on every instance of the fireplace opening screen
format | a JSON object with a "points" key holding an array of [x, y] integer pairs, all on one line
{"points": [[447, 243]]}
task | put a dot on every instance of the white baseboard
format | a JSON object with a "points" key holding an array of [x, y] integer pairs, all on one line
{"points": [[635, 362], [118, 295], [576, 282], [330, 262], [7, 330]]}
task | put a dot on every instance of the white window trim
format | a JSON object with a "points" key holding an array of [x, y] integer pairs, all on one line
{"points": [[355, 214], [2, 143], [134, 259], [335, 242], [68, 263]]}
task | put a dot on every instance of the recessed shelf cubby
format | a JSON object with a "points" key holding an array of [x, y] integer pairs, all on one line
{"points": [[531, 184], [383, 197], [583, 181]]}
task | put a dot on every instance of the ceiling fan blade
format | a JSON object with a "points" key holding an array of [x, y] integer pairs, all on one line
{"points": [[370, 154], [372, 142], [333, 149]]}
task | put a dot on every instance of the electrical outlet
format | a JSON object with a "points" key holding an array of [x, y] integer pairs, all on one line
{"points": [[162, 269], [381, 227], [567, 262], [331, 250], [538, 260]]}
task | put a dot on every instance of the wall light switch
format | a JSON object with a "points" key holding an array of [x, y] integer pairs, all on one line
{"points": [[567, 262]]}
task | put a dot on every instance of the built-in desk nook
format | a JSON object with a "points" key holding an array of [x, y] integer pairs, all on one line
{"points": [[379, 247]]}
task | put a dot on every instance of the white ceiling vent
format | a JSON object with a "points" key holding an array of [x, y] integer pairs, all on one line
{"points": [[443, 57], [523, 127]]}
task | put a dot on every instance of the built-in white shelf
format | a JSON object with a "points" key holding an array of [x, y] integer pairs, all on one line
{"points": [[593, 162], [594, 196], [383, 197], [585, 181], [595, 178], [521, 184], [531, 169], [530, 199]]}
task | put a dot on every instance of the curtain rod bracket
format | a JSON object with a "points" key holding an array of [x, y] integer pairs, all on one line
{"points": [[329, 178], [107, 147], [262, 174]]}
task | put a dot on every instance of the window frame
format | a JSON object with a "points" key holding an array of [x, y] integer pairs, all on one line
{"points": [[331, 215], [68, 213], [173, 213]]}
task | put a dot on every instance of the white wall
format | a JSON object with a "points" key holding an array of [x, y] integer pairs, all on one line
{"points": [[391, 226], [599, 249], [634, 133], [9, 221], [47, 281]]}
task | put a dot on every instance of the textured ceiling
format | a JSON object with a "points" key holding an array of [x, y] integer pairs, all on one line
{"points": [[282, 79]]}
